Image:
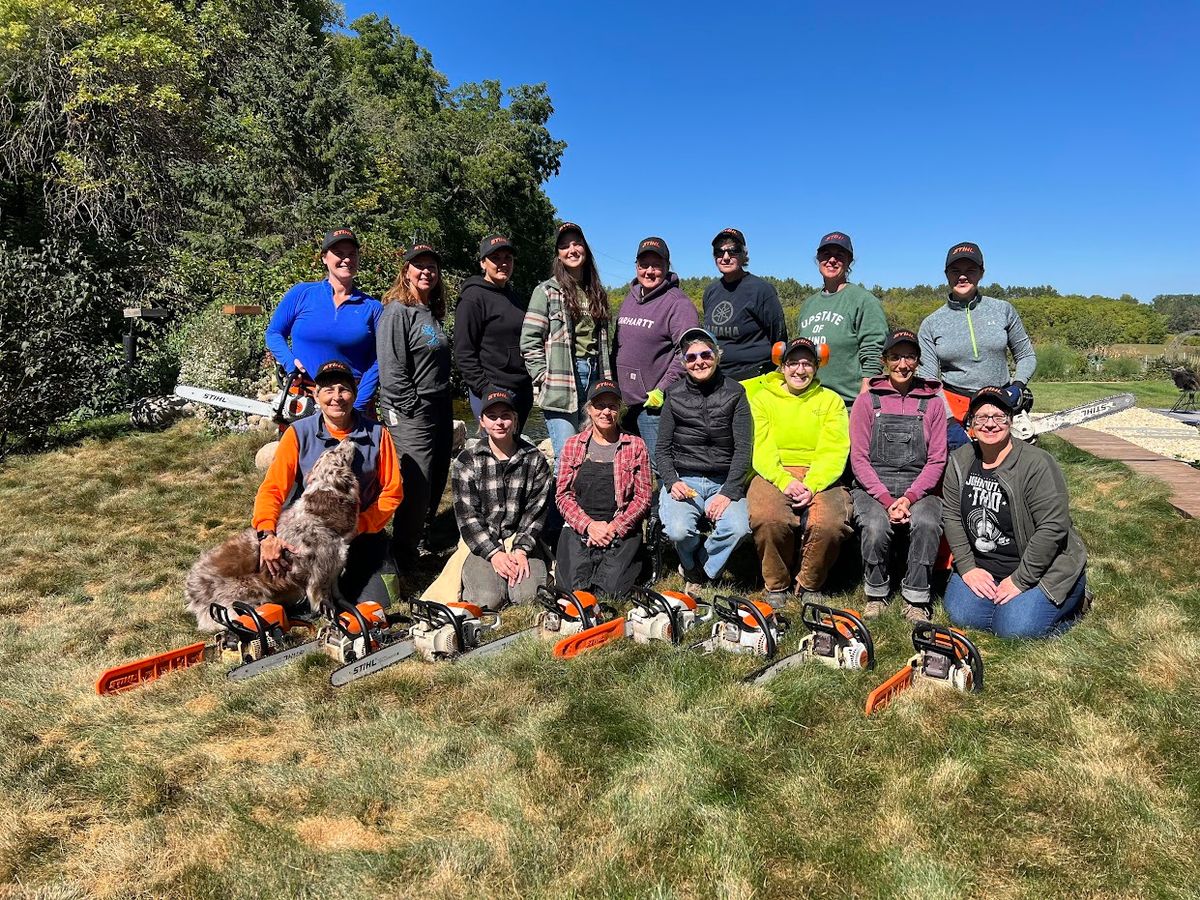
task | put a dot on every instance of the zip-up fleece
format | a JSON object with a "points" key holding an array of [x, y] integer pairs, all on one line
{"points": [[966, 344], [548, 346], [806, 429], [891, 401], [1052, 553]]}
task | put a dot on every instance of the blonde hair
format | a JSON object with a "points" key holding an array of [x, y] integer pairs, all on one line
{"points": [[400, 292]]}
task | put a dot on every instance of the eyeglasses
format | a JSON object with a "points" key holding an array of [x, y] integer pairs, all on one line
{"points": [[997, 419], [703, 354], [800, 362], [726, 251], [647, 267], [896, 357]]}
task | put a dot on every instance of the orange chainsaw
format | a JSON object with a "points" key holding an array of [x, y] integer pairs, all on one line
{"points": [[252, 636], [836, 637], [656, 616], [944, 656], [745, 626]]}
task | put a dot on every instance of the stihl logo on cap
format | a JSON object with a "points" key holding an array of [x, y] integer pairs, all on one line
{"points": [[965, 248], [497, 240], [836, 236], [420, 247], [648, 245], [343, 232], [905, 334], [498, 395]]}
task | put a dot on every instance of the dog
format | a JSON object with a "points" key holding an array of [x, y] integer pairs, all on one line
{"points": [[318, 526]]}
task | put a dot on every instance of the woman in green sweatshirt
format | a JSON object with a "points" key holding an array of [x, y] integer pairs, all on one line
{"points": [[847, 318], [801, 442]]}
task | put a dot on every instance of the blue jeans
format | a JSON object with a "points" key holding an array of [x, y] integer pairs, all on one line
{"points": [[644, 423], [1028, 615], [562, 426], [681, 520]]}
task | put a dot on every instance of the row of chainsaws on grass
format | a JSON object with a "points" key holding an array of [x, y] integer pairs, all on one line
{"points": [[364, 638]]}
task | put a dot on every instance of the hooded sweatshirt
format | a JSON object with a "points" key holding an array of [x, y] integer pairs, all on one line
{"points": [[862, 421], [806, 429], [487, 336], [646, 343]]}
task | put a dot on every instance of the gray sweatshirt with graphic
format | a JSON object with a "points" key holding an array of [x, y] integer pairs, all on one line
{"points": [[966, 345]]}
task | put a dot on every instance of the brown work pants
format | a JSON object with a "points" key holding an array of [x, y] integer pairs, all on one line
{"points": [[789, 563]]}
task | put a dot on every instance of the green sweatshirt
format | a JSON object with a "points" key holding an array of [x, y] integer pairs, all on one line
{"points": [[852, 323], [807, 429]]}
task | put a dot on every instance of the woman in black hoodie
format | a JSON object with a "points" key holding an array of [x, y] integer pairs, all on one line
{"points": [[487, 329]]}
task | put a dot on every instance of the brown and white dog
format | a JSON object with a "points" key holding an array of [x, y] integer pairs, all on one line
{"points": [[319, 526]]}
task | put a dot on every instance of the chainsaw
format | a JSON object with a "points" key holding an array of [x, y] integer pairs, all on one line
{"points": [[294, 400], [745, 626], [450, 630], [837, 638], [944, 656], [365, 639], [655, 616], [253, 637]]}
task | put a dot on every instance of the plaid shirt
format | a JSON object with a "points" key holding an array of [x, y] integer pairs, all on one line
{"points": [[498, 499], [631, 481], [548, 345]]}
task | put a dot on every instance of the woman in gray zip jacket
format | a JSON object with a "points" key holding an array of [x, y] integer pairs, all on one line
{"points": [[414, 393], [1018, 561]]}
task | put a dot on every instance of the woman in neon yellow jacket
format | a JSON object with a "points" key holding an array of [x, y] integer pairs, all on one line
{"points": [[801, 443]]}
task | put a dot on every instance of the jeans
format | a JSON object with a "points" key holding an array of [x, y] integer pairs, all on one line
{"points": [[924, 535], [644, 423], [562, 426], [1028, 615], [681, 520]]}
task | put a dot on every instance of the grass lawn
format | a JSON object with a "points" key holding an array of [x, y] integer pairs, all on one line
{"points": [[630, 771], [1051, 396]]}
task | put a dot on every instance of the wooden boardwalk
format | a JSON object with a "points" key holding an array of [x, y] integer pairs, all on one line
{"points": [[1183, 480]]}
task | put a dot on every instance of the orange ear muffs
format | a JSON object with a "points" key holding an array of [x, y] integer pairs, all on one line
{"points": [[778, 348]]}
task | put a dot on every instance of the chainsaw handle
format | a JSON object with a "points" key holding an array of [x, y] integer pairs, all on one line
{"points": [[438, 615], [342, 605], [730, 609], [554, 598], [652, 603]]}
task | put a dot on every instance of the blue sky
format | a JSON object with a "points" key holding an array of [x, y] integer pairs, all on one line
{"points": [[1063, 138]]}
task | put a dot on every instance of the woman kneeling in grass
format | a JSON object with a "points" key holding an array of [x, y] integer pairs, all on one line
{"points": [[603, 494], [1018, 561]]}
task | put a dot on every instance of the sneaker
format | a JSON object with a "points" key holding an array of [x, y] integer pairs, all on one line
{"points": [[874, 609], [693, 582], [916, 613], [776, 599], [807, 596]]}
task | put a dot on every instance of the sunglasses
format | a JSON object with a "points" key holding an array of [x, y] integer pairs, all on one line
{"points": [[647, 267], [703, 354], [726, 251]]}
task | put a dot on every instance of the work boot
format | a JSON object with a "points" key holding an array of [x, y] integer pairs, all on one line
{"points": [[807, 596], [874, 608], [776, 599], [917, 613]]}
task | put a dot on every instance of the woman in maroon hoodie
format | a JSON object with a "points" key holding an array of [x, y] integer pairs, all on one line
{"points": [[650, 322], [898, 454]]}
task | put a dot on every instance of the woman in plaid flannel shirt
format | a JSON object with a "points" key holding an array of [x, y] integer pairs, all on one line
{"points": [[603, 493]]}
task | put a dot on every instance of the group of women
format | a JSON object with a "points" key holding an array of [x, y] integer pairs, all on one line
{"points": [[747, 433]]}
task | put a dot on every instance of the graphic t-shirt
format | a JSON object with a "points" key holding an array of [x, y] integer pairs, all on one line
{"points": [[988, 521]]}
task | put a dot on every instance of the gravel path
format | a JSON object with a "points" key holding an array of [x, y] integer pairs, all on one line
{"points": [[1152, 431]]}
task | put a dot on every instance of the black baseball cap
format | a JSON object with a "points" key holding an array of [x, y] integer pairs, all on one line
{"points": [[729, 234], [965, 250], [654, 245], [837, 239], [996, 396], [603, 386], [567, 226], [333, 371], [803, 343], [418, 249], [697, 334], [902, 336], [494, 395], [494, 242], [338, 234]]}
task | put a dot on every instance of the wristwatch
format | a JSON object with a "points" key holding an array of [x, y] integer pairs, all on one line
{"points": [[263, 535]]}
